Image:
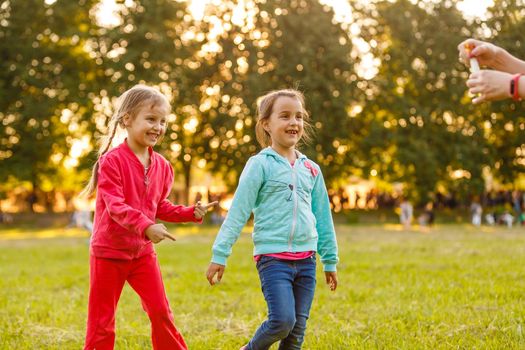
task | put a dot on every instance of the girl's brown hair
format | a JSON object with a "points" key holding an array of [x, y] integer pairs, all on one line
{"points": [[129, 103], [264, 111]]}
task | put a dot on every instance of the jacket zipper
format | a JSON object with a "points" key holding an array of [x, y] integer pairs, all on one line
{"points": [[146, 179], [294, 219], [146, 182]]}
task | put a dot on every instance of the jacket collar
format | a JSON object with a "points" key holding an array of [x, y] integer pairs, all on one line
{"points": [[128, 152], [271, 152]]}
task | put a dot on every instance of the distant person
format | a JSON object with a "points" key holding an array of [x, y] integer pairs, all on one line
{"points": [[490, 218], [506, 219], [521, 219], [292, 222], [516, 206], [427, 216], [132, 183], [82, 219], [217, 216], [503, 80], [5, 218], [406, 213], [476, 212]]}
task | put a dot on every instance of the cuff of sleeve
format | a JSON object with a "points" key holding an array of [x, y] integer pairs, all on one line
{"points": [[188, 214], [330, 268], [218, 259], [143, 226]]}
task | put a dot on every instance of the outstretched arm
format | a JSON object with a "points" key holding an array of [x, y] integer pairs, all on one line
{"points": [[243, 202], [491, 56]]}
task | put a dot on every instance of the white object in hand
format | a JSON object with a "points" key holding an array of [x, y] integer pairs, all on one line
{"points": [[474, 65]]}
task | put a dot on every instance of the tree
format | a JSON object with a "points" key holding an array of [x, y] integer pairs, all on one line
{"points": [[157, 43], [419, 131], [272, 45], [44, 71], [505, 123]]}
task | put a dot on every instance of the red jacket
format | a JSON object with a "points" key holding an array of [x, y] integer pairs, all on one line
{"points": [[129, 200]]}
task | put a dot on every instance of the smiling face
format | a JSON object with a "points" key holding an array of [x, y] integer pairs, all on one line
{"points": [[285, 125], [147, 127]]}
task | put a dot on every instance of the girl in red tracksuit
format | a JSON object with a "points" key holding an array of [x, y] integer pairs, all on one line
{"points": [[132, 183]]}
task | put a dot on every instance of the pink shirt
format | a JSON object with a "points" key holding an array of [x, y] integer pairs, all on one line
{"points": [[287, 255]]}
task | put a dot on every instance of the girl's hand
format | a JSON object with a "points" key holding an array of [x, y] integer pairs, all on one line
{"points": [[201, 210], [215, 269], [489, 85], [331, 280], [157, 233], [486, 53]]}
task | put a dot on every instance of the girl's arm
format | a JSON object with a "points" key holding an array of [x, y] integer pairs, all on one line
{"points": [[515, 65], [243, 202], [327, 244], [110, 189], [170, 212]]}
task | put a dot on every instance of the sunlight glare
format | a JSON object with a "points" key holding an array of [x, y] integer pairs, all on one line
{"points": [[107, 13], [475, 8]]}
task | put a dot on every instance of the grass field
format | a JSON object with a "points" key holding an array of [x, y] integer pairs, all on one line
{"points": [[453, 287]]}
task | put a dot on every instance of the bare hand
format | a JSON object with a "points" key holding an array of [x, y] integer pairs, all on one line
{"points": [[331, 280], [486, 53], [215, 269], [157, 233], [489, 85], [202, 209]]}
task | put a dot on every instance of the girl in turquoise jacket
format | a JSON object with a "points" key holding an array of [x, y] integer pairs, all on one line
{"points": [[292, 222]]}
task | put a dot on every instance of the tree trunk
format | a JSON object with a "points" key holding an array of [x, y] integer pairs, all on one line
{"points": [[187, 181], [32, 199]]}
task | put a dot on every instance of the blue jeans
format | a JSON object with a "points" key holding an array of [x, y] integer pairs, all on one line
{"points": [[288, 287]]}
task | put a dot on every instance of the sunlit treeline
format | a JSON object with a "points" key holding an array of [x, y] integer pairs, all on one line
{"points": [[383, 86]]}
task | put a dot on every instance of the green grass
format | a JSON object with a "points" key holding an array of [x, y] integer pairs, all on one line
{"points": [[453, 287]]}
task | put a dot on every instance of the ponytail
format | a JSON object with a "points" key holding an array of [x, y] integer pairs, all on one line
{"points": [[104, 147]]}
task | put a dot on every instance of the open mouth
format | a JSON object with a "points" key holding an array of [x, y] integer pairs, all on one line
{"points": [[292, 132]]}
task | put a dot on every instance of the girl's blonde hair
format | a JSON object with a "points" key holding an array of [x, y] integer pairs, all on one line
{"points": [[264, 111], [129, 103]]}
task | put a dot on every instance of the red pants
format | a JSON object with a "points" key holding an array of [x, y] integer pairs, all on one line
{"points": [[107, 278]]}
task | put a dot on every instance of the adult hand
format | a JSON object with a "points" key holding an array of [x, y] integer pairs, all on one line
{"points": [[489, 85], [157, 233], [201, 209], [331, 279], [215, 269], [486, 53]]}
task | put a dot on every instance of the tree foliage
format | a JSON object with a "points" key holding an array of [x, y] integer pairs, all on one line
{"points": [[412, 121]]}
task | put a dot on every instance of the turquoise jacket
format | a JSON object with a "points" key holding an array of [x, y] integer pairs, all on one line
{"points": [[290, 207]]}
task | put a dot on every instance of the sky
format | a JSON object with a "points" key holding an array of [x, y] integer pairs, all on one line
{"points": [[108, 8]]}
